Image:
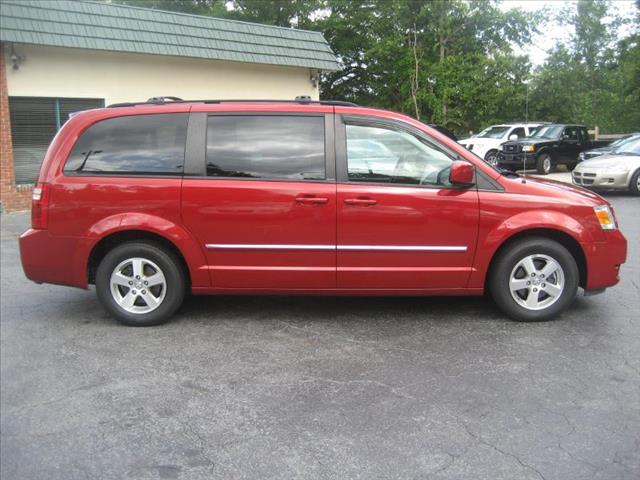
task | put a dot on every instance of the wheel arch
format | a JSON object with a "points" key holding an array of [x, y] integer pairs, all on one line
{"points": [[563, 238], [112, 240], [547, 151]]}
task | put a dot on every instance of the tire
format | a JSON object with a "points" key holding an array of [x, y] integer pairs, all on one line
{"points": [[153, 303], [554, 292], [544, 165], [634, 185], [491, 158]]}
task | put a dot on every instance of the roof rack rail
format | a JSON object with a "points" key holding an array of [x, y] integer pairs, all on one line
{"points": [[301, 99]]}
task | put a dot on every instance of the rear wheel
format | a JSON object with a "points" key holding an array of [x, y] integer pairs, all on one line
{"points": [[634, 185], [543, 164], [534, 279], [140, 283]]}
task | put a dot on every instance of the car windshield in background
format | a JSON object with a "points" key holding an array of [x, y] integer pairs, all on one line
{"points": [[629, 148], [493, 132], [550, 131], [622, 145]]}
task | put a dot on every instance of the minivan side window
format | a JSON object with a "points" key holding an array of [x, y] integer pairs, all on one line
{"points": [[137, 144], [276, 147], [378, 154]]}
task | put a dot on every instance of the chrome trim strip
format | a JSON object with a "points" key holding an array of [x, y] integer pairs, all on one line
{"points": [[243, 246], [403, 248], [380, 248]]}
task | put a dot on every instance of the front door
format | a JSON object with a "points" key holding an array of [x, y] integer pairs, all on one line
{"points": [[401, 225], [569, 147], [266, 209]]}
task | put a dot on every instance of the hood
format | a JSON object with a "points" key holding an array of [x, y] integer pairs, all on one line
{"points": [[559, 190], [611, 160], [599, 151], [532, 141]]}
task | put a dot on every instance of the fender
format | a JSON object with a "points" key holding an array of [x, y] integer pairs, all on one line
{"points": [[530, 220], [549, 151], [193, 254]]}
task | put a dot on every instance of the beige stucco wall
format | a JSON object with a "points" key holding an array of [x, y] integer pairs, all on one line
{"points": [[124, 77]]}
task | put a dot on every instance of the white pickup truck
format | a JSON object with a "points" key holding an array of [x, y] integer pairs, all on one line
{"points": [[486, 144]]}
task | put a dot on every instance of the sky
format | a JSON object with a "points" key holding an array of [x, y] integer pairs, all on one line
{"points": [[554, 32]]}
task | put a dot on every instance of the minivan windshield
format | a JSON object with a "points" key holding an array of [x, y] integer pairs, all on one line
{"points": [[496, 131], [548, 131]]}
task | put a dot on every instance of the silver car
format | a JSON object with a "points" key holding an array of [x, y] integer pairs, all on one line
{"points": [[619, 171]]}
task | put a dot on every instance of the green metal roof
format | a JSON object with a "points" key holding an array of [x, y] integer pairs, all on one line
{"points": [[119, 28]]}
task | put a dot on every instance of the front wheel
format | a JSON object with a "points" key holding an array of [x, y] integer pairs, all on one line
{"points": [[534, 279], [634, 185], [140, 283], [491, 158], [543, 164]]}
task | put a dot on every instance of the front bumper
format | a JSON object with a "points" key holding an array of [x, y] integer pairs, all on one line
{"points": [[604, 260], [601, 180], [517, 160]]}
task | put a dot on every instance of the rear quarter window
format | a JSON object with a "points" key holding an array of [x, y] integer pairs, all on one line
{"points": [[138, 144]]}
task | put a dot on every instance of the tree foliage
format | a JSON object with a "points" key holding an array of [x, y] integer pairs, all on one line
{"points": [[453, 62]]}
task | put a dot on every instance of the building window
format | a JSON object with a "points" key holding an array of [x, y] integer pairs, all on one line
{"points": [[34, 123]]}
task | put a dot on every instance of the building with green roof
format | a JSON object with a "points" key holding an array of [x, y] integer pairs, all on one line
{"points": [[61, 56]]}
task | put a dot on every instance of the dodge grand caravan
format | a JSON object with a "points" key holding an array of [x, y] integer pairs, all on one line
{"points": [[150, 201]]}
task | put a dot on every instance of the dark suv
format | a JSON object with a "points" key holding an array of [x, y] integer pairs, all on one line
{"points": [[549, 146]]}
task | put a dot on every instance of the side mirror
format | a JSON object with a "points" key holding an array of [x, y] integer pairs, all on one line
{"points": [[461, 174], [513, 136], [565, 137]]}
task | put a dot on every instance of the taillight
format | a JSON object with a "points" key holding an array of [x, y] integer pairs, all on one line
{"points": [[40, 206]]}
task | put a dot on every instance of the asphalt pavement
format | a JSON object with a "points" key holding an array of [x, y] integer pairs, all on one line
{"points": [[335, 388]]}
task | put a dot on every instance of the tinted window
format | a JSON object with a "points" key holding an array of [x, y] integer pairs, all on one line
{"points": [[266, 146], [376, 154], [571, 133], [151, 144], [519, 132]]}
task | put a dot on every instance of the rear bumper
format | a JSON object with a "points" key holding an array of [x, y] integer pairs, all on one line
{"points": [[604, 260], [49, 259]]}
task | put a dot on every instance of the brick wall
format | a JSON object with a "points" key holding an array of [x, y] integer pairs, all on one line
{"points": [[12, 198]]}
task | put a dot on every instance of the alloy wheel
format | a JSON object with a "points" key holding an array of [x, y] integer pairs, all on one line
{"points": [[536, 282], [138, 285]]}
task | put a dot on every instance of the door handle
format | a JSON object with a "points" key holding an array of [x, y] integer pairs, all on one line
{"points": [[312, 200], [360, 201]]}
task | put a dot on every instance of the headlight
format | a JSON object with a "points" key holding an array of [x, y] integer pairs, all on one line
{"points": [[605, 217], [529, 148]]}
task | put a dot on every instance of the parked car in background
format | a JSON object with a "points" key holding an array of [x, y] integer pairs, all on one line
{"points": [[486, 144], [149, 201], [611, 148], [548, 147], [616, 171]]}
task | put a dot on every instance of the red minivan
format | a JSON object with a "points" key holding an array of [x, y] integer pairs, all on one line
{"points": [[148, 201]]}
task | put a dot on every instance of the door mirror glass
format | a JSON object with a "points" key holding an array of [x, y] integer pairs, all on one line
{"points": [[513, 136], [461, 174]]}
